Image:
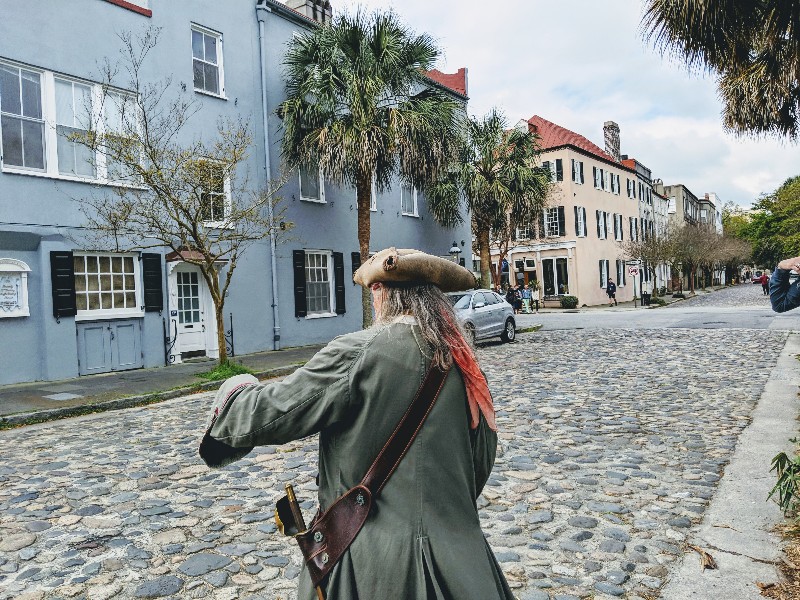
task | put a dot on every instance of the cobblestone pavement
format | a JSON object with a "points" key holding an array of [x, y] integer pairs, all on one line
{"points": [[745, 295], [612, 442]]}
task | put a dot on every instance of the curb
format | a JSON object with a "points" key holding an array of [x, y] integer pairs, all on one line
{"points": [[42, 416]]}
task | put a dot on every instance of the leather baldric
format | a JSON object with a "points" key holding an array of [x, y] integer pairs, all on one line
{"points": [[332, 532]]}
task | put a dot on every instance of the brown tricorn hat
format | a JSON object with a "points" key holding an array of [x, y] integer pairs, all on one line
{"points": [[413, 267]]}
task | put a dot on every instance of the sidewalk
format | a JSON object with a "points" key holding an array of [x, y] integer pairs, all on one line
{"points": [[44, 400]]}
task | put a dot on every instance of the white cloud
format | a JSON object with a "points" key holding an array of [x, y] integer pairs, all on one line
{"points": [[579, 63]]}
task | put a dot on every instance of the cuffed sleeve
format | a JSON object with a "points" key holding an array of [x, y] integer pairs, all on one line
{"points": [[312, 398], [782, 294]]}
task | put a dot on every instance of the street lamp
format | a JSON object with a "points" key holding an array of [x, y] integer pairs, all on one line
{"points": [[454, 251]]}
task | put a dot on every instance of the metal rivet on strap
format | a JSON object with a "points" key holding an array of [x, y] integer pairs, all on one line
{"points": [[325, 558], [318, 536], [360, 499]]}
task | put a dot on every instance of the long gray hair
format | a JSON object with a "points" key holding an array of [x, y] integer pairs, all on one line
{"points": [[438, 323]]}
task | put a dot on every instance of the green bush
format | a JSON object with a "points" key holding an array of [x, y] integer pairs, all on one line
{"points": [[657, 300], [788, 484], [223, 371], [569, 301]]}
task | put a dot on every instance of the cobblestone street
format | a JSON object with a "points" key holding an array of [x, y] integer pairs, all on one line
{"points": [[612, 442]]}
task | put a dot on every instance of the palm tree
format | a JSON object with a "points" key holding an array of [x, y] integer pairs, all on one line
{"points": [[496, 173], [752, 45], [360, 108]]}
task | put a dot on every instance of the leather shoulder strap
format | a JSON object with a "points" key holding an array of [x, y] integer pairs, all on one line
{"points": [[403, 435]]}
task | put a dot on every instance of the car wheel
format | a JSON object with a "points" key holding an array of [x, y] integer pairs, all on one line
{"points": [[469, 329], [509, 331]]}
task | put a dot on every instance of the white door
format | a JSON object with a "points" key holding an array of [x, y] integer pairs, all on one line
{"points": [[191, 310]]}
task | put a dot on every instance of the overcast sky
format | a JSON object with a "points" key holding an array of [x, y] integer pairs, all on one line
{"points": [[579, 63]]}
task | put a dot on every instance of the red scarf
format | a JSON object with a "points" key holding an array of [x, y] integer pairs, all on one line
{"points": [[478, 395]]}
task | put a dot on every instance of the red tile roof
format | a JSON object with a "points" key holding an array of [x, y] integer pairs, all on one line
{"points": [[629, 162], [455, 81], [555, 136]]}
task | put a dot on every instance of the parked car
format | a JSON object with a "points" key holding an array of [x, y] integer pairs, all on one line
{"points": [[484, 314]]}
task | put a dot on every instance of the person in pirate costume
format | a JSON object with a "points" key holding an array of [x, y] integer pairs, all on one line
{"points": [[422, 538]]}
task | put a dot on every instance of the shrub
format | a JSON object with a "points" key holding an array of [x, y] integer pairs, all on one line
{"points": [[679, 295], [223, 371], [569, 301], [788, 484], [657, 300]]}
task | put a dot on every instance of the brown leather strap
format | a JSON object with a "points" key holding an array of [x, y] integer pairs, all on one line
{"points": [[403, 435], [332, 532]]}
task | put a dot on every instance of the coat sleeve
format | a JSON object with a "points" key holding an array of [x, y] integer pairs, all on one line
{"points": [[782, 294], [484, 451], [312, 398]]}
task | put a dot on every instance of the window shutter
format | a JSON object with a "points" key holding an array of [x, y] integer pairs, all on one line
{"points": [[562, 222], [152, 283], [577, 230], [462, 262], [622, 271], [594, 175], [597, 215], [585, 230], [621, 229], [580, 168], [299, 265], [542, 232], [559, 170], [62, 275], [601, 274], [338, 278], [355, 258]]}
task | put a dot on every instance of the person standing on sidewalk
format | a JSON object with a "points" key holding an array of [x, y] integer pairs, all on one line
{"points": [[526, 299], [423, 538], [611, 290]]}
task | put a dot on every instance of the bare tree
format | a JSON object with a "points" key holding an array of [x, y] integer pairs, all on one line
{"points": [[164, 186], [651, 250]]}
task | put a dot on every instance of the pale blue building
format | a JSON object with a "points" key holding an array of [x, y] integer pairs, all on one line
{"points": [[67, 309]]}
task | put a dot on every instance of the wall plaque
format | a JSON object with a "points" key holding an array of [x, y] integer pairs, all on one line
{"points": [[13, 288]]}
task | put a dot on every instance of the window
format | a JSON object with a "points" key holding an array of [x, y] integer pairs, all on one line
{"points": [[620, 273], [554, 221], [106, 284], [615, 184], [618, 227], [373, 201], [577, 171], [602, 227], [214, 193], [21, 117], [119, 122], [319, 291], [555, 276], [603, 273], [634, 229], [408, 200], [580, 221], [556, 169], [207, 61], [524, 233], [312, 186], [74, 118]]}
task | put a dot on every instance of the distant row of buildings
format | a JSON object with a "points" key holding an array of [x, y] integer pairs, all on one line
{"points": [[602, 199]]}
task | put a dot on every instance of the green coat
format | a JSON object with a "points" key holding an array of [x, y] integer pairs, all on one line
{"points": [[423, 539]]}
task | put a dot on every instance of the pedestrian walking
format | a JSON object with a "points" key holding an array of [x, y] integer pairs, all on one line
{"points": [[527, 295], [611, 290], [765, 283], [419, 536]]}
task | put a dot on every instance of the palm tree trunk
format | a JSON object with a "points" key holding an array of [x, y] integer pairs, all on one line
{"points": [[363, 195], [486, 258]]}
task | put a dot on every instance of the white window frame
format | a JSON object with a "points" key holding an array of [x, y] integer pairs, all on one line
{"points": [[581, 221], [414, 199], [524, 233], [220, 60], [373, 202], [321, 199], [48, 102], [603, 220], [331, 285], [114, 313], [228, 203], [43, 121], [576, 171], [620, 273], [550, 220], [618, 233], [604, 274], [556, 282]]}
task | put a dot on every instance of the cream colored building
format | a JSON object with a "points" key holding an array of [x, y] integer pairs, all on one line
{"points": [[577, 244]]}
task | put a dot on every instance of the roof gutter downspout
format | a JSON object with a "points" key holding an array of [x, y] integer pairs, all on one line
{"points": [[262, 11]]}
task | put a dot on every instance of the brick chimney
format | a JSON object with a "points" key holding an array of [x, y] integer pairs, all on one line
{"points": [[318, 10], [611, 135]]}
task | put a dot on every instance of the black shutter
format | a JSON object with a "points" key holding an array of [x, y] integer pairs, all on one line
{"points": [[542, 232], [62, 275], [580, 166], [585, 230], [577, 228], [622, 270], [597, 215], [355, 258], [462, 262], [299, 265], [338, 277], [601, 273], [621, 230], [594, 176], [562, 222], [559, 170], [152, 287]]}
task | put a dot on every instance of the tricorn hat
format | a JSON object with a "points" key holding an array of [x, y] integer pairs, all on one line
{"points": [[410, 267]]}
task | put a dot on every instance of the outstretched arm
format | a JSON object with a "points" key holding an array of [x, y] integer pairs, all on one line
{"points": [[782, 294]]}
